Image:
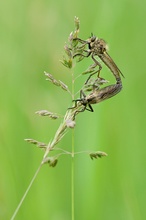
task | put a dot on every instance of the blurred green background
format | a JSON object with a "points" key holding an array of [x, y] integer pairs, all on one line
{"points": [[32, 37]]}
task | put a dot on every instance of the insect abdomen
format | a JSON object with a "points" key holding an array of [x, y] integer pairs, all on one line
{"points": [[106, 93]]}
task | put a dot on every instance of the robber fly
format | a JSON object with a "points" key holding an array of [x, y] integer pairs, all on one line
{"points": [[96, 96], [98, 47]]}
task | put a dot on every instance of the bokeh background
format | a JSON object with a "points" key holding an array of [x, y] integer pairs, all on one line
{"points": [[32, 37]]}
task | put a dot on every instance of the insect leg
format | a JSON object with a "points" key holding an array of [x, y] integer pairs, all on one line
{"points": [[90, 109], [82, 95], [78, 111], [81, 41], [96, 63], [76, 100], [83, 55]]}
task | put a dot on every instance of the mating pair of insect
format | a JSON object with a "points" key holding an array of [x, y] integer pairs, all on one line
{"points": [[97, 47]]}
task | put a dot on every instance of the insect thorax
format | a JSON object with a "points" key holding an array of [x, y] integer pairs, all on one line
{"points": [[97, 46]]}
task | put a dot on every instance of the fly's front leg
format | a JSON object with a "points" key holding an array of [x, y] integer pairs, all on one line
{"points": [[82, 95], [82, 101], [97, 64], [81, 41], [81, 48], [81, 54], [78, 111], [90, 109], [93, 66], [76, 100]]}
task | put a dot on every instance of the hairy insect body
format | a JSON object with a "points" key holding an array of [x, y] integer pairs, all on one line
{"points": [[98, 47], [101, 94], [96, 96]]}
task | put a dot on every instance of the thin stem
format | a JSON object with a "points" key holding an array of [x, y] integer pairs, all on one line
{"points": [[26, 192], [72, 178], [72, 164]]}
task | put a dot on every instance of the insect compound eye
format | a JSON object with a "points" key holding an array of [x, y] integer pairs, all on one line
{"points": [[93, 38]]}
